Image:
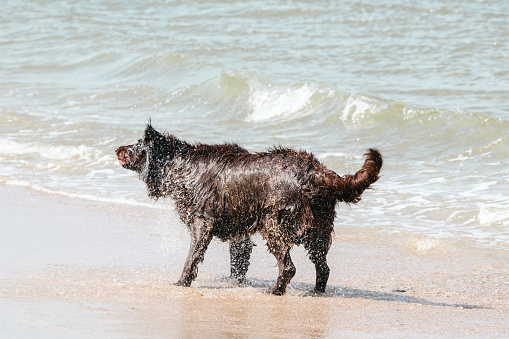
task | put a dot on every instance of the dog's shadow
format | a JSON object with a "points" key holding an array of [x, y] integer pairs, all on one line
{"points": [[305, 290]]}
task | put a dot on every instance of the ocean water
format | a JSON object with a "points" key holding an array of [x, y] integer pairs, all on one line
{"points": [[427, 83]]}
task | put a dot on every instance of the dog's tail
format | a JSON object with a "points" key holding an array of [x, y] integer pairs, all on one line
{"points": [[349, 188]]}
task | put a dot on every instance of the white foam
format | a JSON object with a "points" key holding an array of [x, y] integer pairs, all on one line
{"points": [[475, 190], [425, 245], [357, 107], [493, 214], [461, 157], [51, 152], [331, 155], [84, 196], [268, 103]]}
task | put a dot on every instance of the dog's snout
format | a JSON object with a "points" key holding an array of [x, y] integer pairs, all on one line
{"points": [[121, 150], [123, 154]]}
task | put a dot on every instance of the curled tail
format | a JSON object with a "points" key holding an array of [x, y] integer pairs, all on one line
{"points": [[349, 188]]}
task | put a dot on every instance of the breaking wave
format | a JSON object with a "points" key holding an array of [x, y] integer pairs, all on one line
{"points": [[245, 99]]}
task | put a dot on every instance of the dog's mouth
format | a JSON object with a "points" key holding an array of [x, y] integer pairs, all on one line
{"points": [[122, 155]]}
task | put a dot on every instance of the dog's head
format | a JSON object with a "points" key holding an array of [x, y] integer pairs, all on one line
{"points": [[151, 158], [135, 157]]}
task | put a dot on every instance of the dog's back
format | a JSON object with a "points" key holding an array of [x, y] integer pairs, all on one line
{"points": [[239, 188]]}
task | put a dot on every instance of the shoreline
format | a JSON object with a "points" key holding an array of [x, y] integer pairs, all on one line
{"points": [[82, 267]]}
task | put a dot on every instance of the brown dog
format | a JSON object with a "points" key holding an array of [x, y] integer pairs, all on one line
{"points": [[226, 192]]}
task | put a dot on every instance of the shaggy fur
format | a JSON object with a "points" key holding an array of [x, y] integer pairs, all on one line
{"points": [[224, 191]]}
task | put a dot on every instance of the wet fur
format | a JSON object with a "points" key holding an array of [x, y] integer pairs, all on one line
{"points": [[224, 191]]}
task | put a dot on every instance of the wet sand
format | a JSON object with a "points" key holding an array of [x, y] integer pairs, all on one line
{"points": [[72, 267]]}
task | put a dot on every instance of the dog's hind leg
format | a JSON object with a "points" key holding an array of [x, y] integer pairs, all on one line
{"points": [[322, 273], [318, 248], [240, 252], [275, 232], [201, 235]]}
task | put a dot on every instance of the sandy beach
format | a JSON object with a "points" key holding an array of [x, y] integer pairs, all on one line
{"points": [[72, 267]]}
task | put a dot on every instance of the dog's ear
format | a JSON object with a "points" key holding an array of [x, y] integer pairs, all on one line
{"points": [[151, 134]]}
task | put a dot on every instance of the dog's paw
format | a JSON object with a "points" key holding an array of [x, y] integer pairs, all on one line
{"points": [[315, 293], [182, 283], [238, 280], [276, 291]]}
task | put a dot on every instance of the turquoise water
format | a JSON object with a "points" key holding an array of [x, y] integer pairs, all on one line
{"points": [[426, 83]]}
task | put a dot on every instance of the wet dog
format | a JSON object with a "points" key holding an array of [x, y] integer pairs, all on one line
{"points": [[224, 191]]}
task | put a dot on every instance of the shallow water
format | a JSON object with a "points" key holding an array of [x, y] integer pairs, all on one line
{"points": [[425, 83]]}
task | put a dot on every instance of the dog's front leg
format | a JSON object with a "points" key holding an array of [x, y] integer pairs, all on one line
{"points": [[201, 235]]}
